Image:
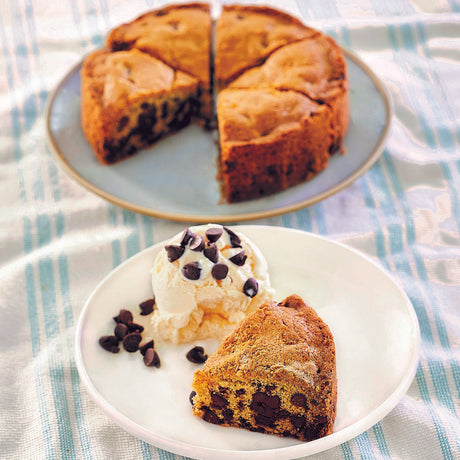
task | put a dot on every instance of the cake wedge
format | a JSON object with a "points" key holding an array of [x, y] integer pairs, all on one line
{"points": [[276, 373], [130, 100], [180, 36]]}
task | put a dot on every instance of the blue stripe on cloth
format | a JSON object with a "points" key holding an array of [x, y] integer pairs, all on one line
{"points": [[148, 231], [28, 246], [62, 261], [440, 381]]}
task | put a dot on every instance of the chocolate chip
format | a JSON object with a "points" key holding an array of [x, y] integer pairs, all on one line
{"points": [[192, 395], [219, 271], [265, 406], [234, 238], [251, 287], [131, 342], [259, 397], [125, 317], [264, 420], [239, 259], [151, 358], [218, 401], [187, 235], [213, 234], [133, 327], [146, 346], [299, 400], [282, 414], [211, 417], [109, 343], [197, 243], [121, 330], [298, 421], [196, 355], [164, 110], [211, 253], [147, 306], [227, 414], [192, 271], [174, 252], [122, 123], [240, 391]]}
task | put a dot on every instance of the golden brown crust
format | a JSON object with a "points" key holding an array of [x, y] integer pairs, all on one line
{"points": [[130, 100], [179, 35], [270, 140], [314, 67], [275, 373], [246, 35]]}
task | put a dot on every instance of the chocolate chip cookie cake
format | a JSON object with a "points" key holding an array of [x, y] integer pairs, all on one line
{"points": [[274, 374], [180, 36], [130, 100], [246, 35], [282, 98]]}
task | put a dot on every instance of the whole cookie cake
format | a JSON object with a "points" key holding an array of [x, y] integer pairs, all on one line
{"points": [[281, 92]]}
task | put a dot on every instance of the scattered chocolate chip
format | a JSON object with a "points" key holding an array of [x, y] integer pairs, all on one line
{"points": [[125, 317], [251, 287], [240, 391], [192, 395], [213, 234], [239, 259], [187, 235], [174, 252], [131, 342], [218, 401], [211, 253], [211, 417], [196, 355], [298, 421], [151, 358], [121, 330], [299, 400], [146, 346], [109, 343], [219, 271], [192, 271], [147, 306], [197, 243], [234, 238], [133, 327]]}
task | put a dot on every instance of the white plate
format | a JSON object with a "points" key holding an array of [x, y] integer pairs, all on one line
{"points": [[177, 178], [374, 326]]}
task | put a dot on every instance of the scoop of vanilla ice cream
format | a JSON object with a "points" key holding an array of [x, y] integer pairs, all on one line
{"points": [[204, 284]]}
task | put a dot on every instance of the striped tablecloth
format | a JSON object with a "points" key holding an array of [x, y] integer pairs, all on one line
{"points": [[57, 240]]}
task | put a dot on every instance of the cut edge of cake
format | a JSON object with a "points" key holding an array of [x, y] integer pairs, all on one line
{"points": [[117, 127]]}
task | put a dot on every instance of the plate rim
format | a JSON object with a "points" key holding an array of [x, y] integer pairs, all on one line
{"points": [[295, 451], [219, 218]]}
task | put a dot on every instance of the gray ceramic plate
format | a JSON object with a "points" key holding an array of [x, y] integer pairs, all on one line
{"points": [[177, 178]]}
